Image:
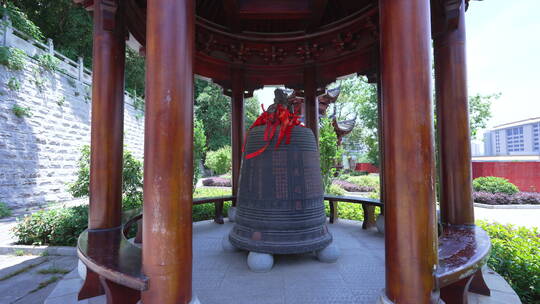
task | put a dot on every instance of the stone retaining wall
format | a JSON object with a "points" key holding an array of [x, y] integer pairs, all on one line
{"points": [[39, 152]]}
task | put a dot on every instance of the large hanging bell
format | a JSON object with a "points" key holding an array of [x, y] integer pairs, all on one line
{"points": [[280, 207]]}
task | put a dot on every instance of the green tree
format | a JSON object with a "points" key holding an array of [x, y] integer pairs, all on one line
{"points": [[70, 27], [214, 110], [480, 111], [362, 98], [252, 110], [20, 20], [358, 98], [329, 151], [135, 72], [132, 179]]}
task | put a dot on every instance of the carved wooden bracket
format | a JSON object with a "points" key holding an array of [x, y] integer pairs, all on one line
{"points": [[239, 53], [345, 42], [309, 51], [273, 55]]}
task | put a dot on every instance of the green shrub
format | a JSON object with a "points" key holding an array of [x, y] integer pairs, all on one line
{"points": [[4, 210], [515, 255], [350, 211], [358, 173], [131, 179], [48, 62], [335, 190], [219, 161], [21, 111], [494, 185], [14, 84], [55, 227], [368, 181], [13, 58]]}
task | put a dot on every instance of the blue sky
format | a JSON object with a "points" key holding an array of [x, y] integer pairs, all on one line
{"points": [[503, 54]]}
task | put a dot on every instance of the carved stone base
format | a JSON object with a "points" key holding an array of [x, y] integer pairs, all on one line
{"points": [[194, 300], [329, 254], [232, 214], [260, 262], [380, 223]]}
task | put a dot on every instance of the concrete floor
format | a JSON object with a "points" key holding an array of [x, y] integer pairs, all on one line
{"points": [[220, 277]]}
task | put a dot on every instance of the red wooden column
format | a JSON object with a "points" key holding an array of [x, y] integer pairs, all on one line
{"points": [[453, 125], [237, 126], [410, 226], [107, 127], [311, 106], [168, 154]]}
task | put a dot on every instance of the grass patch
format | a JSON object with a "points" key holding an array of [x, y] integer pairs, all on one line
{"points": [[19, 252], [45, 283], [53, 270]]}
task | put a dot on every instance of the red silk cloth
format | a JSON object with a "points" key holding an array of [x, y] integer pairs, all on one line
{"points": [[281, 117]]}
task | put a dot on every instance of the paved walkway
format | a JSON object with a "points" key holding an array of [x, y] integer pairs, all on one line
{"points": [[30, 279], [518, 217], [224, 278]]}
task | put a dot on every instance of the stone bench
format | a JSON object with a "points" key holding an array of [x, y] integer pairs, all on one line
{"points": [[368, 205], [463, 250], [114, 263]]}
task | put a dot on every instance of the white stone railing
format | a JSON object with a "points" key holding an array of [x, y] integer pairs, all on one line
{"points": [[13, 37]]}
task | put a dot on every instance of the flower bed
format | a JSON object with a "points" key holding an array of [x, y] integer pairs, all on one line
{"points": [[217, 181], [351, 187], [520, 198]]}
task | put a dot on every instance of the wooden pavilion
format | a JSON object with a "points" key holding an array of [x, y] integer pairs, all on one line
{"points": [[304, 44]]}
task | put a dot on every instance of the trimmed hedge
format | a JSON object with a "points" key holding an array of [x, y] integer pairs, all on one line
{"points": [[494, 184], [515, 255], [521, 198]]}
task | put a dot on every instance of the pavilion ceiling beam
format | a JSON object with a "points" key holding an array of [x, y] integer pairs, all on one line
{"points": [[87, 4], [231, 13], [317, 11]]}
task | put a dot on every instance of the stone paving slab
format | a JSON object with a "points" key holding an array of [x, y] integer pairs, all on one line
{"points": [[224, 278]]}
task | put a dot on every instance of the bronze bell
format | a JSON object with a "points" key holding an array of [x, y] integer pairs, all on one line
{"points": [[280, 207]]}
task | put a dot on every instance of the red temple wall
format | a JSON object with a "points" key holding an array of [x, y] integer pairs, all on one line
{"points": [[525, 175], [366, 167]]}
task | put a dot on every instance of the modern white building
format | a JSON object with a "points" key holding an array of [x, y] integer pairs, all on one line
{"points": [[515, 138]]}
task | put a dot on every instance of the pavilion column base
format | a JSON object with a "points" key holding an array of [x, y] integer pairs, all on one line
{"points": [[383, 299], [194, 300]]}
